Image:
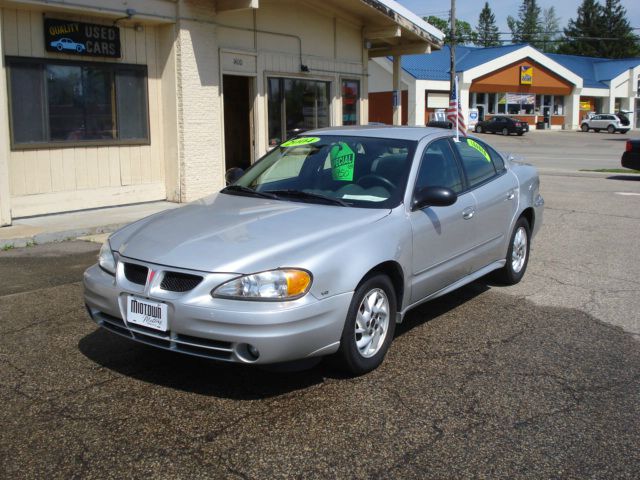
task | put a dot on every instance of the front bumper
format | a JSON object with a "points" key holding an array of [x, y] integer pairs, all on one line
{"points": [[222, 329]]}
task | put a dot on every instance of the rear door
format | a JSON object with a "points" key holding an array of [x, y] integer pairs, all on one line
{"points": [[495, 191], [443, 237]]}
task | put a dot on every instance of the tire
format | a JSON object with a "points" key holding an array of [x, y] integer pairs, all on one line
{"points": [[478, 129], [79, 49], [505, 131], [611, 129], [59, 48], [516, 265], [584, 127], [356, 359]]}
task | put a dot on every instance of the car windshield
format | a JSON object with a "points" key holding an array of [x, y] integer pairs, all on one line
{"points": [[329, 169]]}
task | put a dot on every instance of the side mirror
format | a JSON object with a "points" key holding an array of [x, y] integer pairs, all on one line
{"points": [[233, 174], [433, 197]]}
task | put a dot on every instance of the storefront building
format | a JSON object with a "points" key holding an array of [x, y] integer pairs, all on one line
{"points": [[514, 80], [155, 99]]}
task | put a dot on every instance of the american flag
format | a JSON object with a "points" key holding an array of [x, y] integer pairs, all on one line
{"points": [[454, 112]]}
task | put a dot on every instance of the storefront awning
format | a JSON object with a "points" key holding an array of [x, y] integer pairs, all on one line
{"points": [[390, 29]]}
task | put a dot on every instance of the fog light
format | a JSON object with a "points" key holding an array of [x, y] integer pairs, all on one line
{"points": [[253, 351]]}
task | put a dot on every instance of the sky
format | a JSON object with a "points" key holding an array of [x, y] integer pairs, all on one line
{"points": [[469, 10]]}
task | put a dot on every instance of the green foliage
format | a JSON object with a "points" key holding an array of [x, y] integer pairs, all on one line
{"points": [[550, 25], [487, 30], [527, 27], [465, 34], [600, 31]]}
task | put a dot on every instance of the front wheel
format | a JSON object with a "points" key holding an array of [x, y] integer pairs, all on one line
{"points": [[517, 255], [505, 131], [478, 129], [369, 326], [584, 127]]}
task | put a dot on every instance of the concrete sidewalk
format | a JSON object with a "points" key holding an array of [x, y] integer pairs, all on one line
{"points": [[87, 223]]}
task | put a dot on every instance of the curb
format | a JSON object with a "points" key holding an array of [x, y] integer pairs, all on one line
{"points": [[59, 236]]}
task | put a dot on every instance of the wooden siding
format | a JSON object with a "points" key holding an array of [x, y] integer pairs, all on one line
{"points": [[79, 173], [381, 107], [507, 79]]}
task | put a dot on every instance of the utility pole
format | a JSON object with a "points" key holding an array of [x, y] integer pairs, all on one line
{"points": [[452, 46]]}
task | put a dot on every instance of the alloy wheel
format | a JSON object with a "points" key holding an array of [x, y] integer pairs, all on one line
{"points": [[372, 322]]}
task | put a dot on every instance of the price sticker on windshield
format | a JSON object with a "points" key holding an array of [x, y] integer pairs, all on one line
{"points": [[479, 148], [296, 142], [343, 161]]}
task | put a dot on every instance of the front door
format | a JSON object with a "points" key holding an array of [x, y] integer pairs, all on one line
{"points": [[442, 236], [238, 130]]}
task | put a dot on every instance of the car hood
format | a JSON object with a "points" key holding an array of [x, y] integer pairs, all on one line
{"points": [[232, 233]]}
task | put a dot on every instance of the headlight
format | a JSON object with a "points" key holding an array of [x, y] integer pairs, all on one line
{"points": [[106, 260], [285, 284]]}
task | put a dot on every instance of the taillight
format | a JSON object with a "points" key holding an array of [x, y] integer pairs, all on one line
{"points": [[629, 148]]}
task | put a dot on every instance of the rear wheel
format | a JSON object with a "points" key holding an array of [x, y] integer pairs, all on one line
{"points": [[505, 131], [369, 326], [584, 127], [611, 129], [517, 255], [478, 129]]}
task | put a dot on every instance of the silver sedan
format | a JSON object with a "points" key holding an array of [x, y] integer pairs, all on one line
{"points": [[319, 248]]}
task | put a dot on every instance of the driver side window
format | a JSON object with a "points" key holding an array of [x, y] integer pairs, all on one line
{"points": [[438, 168]]}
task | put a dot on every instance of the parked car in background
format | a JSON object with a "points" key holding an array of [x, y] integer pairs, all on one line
{"points": [[440, 124], [319, 248], [631, 155], [503, 125], [606, 121]]}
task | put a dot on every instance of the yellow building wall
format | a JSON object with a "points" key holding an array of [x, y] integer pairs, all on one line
{"points": [[62, 179]]}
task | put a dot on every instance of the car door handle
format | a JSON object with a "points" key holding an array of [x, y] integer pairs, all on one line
{"points": [[468, 213], [511, 195]]}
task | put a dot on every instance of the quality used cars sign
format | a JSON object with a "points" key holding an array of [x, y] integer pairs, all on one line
{"points": [[78, 38]]}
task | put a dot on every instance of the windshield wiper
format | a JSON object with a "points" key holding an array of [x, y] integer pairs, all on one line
{"points": [[247, 191], [308, 195]]}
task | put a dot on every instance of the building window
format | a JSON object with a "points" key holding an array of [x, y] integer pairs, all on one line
{"points": [[558, 105], [56, 103], [350, 102], [296, 105]]}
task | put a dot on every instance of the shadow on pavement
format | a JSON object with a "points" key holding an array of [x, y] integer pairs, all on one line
{"points": [[627, 178], [435, 308], [234, 381]]}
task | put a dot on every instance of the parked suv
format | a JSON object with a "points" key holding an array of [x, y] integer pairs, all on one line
{"points": [[607, 121]]}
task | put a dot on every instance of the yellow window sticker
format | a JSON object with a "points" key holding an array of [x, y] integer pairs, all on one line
{"points": [[300, 141], [343, 161], [479, 148]]}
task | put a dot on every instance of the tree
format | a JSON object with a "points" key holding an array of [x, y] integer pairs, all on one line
{"points": [[581, 35], [465, 34], [616, 26], [526, 28], [487, 29], [549, 30]]}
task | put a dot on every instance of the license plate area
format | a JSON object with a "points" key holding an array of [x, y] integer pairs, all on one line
{"points": [[147, 313]]}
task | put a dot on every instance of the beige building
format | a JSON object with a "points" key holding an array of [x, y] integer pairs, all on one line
{"points": [[108, 103]]}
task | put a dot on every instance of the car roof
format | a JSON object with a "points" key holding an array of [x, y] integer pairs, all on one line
{"points": [[387, 131]]}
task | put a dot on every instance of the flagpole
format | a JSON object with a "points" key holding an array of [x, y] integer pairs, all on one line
{"points": [[457, 110]]}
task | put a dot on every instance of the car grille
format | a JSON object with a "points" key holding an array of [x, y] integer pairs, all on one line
{"points": [[136, 273], [201, 347], [180, 282]]}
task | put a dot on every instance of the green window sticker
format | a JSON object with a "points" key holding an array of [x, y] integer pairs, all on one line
{"points": [[479, 148], [343, 161], [300, 141]]}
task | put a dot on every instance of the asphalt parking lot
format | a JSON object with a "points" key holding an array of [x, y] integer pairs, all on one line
{"points": [[540, 380]]}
